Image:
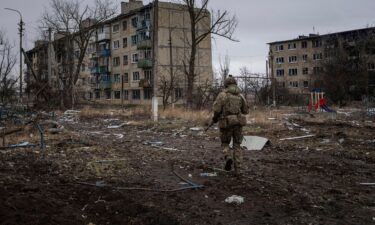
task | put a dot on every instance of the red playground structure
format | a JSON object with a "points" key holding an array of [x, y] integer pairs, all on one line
{"points": [[318, 101]]}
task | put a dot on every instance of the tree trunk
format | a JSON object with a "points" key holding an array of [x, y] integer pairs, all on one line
{"points": [[193, 52]]}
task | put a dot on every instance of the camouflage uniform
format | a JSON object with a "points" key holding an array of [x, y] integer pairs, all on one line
{"points": [[230, 108]]}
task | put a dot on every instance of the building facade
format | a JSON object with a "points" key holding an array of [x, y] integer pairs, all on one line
{"points": [[298, 65], [124, 56]]}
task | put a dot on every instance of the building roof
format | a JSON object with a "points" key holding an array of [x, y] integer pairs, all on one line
{"points": [[315, 36]]}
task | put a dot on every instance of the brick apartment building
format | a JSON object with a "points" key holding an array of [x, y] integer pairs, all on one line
{"points": [[298, 64], [119, 60]]}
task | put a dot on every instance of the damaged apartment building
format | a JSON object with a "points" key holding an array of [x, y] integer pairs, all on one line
{"points": [[298, 65], [120, 66]]}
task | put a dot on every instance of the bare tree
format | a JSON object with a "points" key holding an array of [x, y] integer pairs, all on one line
{"points": [[221, 24], [167, 86], [76, 22], [224, 69], [7, 62], [344, 71]]}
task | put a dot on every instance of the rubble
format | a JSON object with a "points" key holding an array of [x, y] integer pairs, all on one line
{"points": [[236, 199]]}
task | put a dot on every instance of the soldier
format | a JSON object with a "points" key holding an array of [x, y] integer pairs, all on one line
{"points": [[230, 109]]}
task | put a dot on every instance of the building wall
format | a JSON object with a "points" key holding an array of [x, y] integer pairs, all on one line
{"points": [[315, 48], [303, 80]]}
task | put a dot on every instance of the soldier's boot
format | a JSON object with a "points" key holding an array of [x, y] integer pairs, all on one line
{"points": [[237, 155], [227, 158]]}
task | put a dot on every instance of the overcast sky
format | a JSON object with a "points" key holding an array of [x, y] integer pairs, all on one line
{"points": [[260, 22]]}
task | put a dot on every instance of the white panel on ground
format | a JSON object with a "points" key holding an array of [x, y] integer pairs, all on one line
{"points": [[253, 143]]}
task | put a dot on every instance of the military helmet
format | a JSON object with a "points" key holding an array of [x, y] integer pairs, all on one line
{"points": [[230, 80]]}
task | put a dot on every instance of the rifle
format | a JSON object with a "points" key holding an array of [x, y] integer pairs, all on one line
{"points": [[209, 126]]}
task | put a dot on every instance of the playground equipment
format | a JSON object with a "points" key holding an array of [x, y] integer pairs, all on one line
{"points": [[318, 101]]}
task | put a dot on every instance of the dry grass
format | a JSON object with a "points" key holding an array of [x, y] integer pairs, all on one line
{"points": [[265, 116], [201, 116], [89, 112]]}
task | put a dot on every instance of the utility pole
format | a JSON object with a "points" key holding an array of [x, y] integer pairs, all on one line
{"points": [[49, 78], [122, 91], [20, 29], [273, 82], [268, 96], [171, 63], [154, 55]]}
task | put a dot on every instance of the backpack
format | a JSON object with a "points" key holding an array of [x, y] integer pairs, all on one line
{"points": [[232, 105]]}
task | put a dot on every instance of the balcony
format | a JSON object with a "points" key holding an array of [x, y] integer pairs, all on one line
{"points": [[92, 39], [94, 70], [144, 24], [93, 55], [104, 69], [145, 63], [103, 36], [144, 44], [105, 84], [105, 53]]}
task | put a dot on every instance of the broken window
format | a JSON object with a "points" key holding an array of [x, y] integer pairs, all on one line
{"points": [[107, 93], [136, 94], [115, 28], [116, 78], [134, 39], [305, 71], [97, 94], [124, 42], [293, 84], [136, 76], [317, 70], [148, 76], [304, 58], [293, 72], [116, 61], [279, 48], [135, 22], [280, 72], [117, 94], [126, 78], [116, 44], [125, 60], [147, 93], [292, 46], [135, 58], [124, 25], [316, 43], [318, 56], [305, 84], [304, 44], [280, 60], [126, 94], [292, 59]]}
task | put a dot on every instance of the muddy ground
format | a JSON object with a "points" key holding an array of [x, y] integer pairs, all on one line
{"points": [[95, 173]]}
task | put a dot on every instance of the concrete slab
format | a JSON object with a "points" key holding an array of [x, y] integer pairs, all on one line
{"points": [[253, 143]]}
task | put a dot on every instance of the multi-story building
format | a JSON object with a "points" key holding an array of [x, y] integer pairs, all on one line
{"points": [[119, 63], [298, 64]]}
